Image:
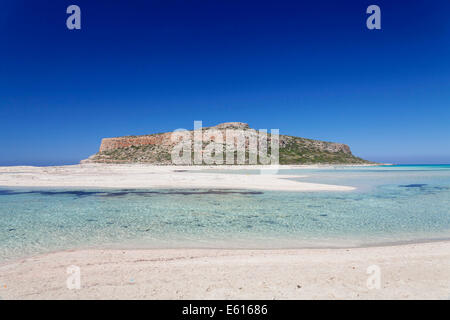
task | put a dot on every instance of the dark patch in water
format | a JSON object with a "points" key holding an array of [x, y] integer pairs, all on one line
{"points": [[51, 193], [11, 229], [323, 215], [122, 193], [115, 194], [179, 170], [74, 193], [188, 193], [91, 220], [414, 185], [6, 192]]}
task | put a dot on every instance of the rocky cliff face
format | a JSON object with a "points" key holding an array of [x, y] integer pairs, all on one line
{"points": [[109, 144], [156, 148], [163, 139]]}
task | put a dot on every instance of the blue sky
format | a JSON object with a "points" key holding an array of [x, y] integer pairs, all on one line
{"points": [[309, 68]]}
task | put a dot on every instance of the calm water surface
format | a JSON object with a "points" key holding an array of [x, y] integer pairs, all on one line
{"points": [[390, 204]]}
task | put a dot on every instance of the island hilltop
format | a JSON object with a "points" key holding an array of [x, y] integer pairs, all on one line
{"points": [[156, 148]]}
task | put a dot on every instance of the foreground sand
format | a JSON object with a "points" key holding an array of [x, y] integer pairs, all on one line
{"points": [[413, 271], [150, 176]]}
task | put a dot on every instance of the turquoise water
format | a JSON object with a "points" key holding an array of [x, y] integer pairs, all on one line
{"points": [[391, 204]]}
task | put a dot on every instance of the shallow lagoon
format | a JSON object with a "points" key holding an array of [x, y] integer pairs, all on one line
{"points": [[391, 204]]}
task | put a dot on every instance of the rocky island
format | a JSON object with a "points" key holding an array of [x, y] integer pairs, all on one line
{"points": [[156, 148]]}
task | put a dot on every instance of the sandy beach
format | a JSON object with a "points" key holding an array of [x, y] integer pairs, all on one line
{"points": [[412, 271], [151, 176], [408, 271]]}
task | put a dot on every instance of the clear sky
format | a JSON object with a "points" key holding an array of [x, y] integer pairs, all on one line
{"points": [[309, 68]]}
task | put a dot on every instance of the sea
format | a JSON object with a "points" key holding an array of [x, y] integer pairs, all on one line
{"points": [[390, 205]]}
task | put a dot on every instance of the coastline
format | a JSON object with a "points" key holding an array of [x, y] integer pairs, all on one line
{"points": [[412, 270], [408, 271], [158, 177]]}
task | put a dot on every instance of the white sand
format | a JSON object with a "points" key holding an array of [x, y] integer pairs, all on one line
{"points": [[150, 176], [413, 271]]}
